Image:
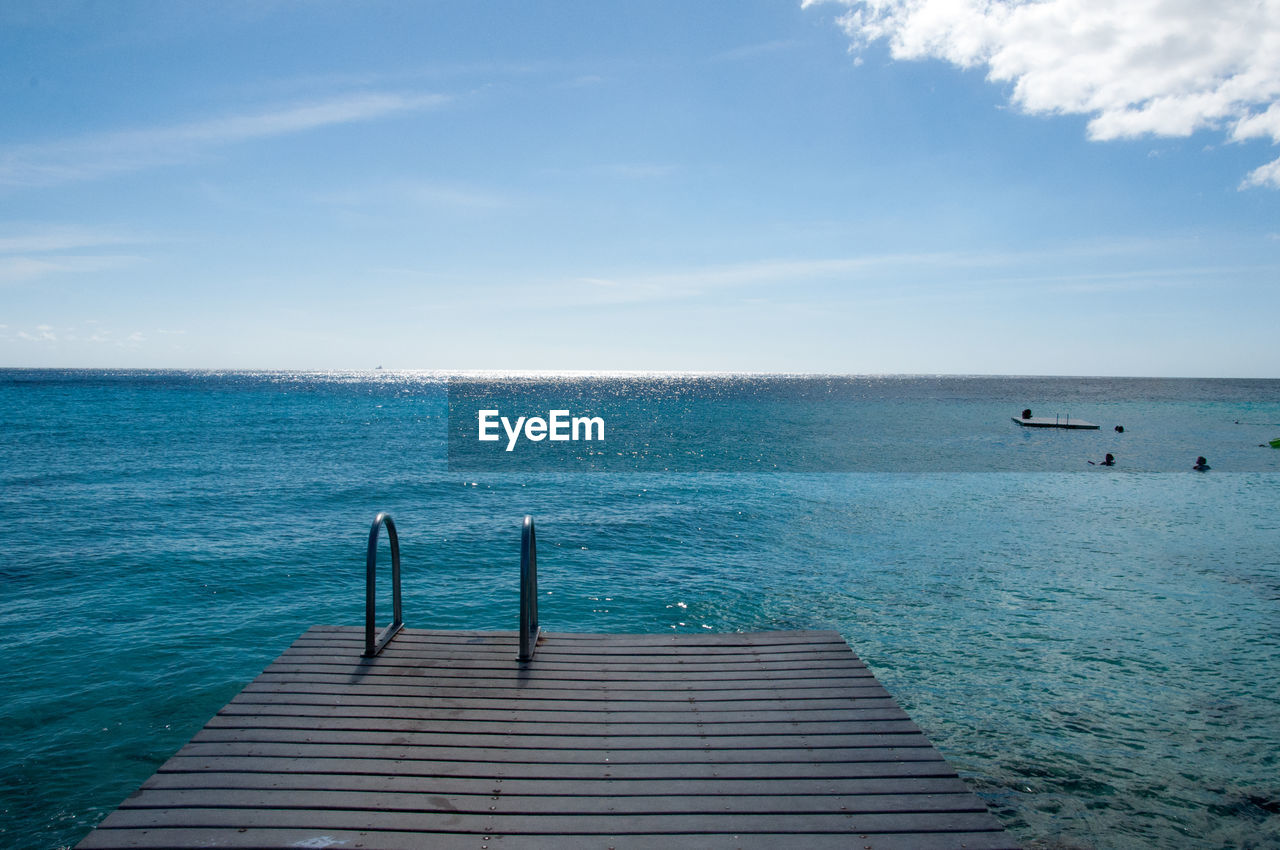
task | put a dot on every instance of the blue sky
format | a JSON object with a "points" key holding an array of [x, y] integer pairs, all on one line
{"points": [[883, 187]]}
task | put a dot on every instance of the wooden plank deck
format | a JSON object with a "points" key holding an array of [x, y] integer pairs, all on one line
{"points": [[766, 740]]}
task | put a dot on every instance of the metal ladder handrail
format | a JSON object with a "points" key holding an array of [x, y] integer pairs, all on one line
{"points": [[372, 645], [529, 629]]}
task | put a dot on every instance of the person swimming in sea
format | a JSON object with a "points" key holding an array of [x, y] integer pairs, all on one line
{"points": [[1201, 464], [1109, 460]]}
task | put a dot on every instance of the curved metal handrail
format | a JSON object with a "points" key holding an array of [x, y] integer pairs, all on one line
{"points": [[528, 591], [372, 645]]}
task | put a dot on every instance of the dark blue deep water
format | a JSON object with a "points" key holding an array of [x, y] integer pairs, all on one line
{"points": [[1097, 650]]}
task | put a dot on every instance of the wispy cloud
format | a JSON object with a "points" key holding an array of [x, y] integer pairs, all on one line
{"points": [[1159, 67], [418, 193], [22, 269], [470, 76], [92, 334], [751, 51], [617, 171], [42, 333], [583, 81], [694, 282], [36, 253], [635, 170], [931, 275], [62, 238], [90, 157]]}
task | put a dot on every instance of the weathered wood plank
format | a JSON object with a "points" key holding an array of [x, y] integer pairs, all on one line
{"points": [[520, 743], [928, 764], [839, 691], [419, 666], [918, 748], [507, 803], [430, 784], [548, 707], [273, 708], [659, 656], [504, 824], [251, 838], [429, 654], [534, 730], [613, 684]]}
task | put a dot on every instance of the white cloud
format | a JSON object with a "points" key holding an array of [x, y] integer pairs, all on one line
{"points": [[634, 170], [458, 197], [687, 283], [90, 157], [19, 269], [57, 239], [617, 171], [751, 51], [1161, 67], [449, 196], [92, 334], [922, 276], [43, 333], [1264, 175], [706, 280], [30, 254]]}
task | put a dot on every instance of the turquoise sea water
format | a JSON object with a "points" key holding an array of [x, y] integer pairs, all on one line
{"points": [[1097, 651]]}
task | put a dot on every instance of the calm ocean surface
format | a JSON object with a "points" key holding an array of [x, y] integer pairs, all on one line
{"points": [[1097, 650]]}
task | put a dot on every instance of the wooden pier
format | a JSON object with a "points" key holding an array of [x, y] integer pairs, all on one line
{"points": [[444, 740]]}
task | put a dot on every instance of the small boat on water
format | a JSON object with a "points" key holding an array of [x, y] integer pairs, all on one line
{"points": [[1054, 422]]}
